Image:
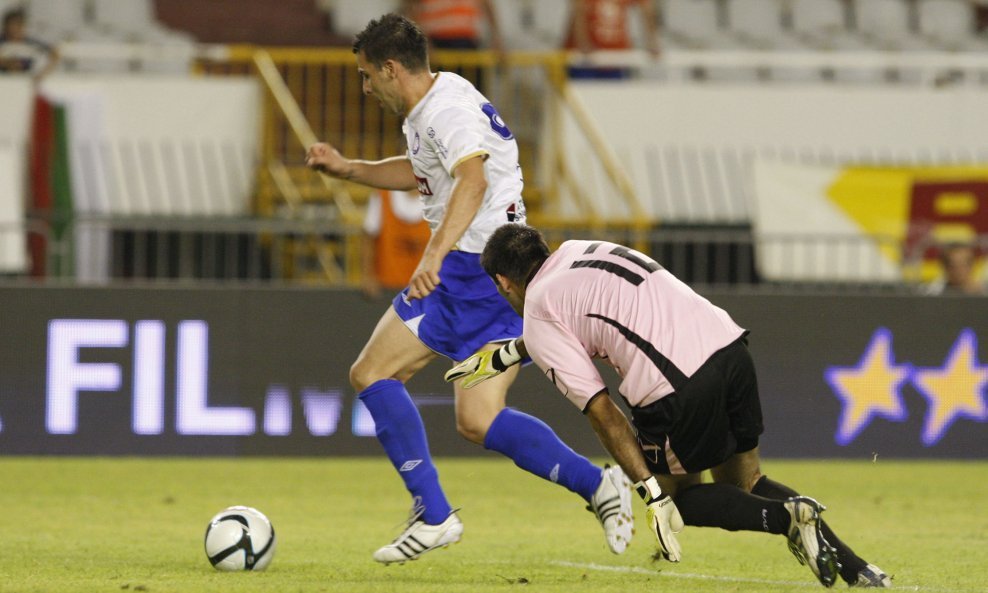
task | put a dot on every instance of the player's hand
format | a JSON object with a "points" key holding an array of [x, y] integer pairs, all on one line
{"points": [[662, 516], [484, 365], [324, 158], [425, 278]]}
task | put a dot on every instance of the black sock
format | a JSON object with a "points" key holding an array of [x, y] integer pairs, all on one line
{"points": [[731, 508], [851, 564]]}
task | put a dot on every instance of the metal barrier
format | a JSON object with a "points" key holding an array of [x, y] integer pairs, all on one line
{"points": [[113, 250], [100, 250]]}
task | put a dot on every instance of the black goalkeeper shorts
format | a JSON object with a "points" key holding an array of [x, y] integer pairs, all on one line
{"points": [[713, 416]]}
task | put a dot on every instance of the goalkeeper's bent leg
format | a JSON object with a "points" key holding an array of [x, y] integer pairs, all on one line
{"points": [[731, 508], [402, 434], [851, 563], [535, 448]]}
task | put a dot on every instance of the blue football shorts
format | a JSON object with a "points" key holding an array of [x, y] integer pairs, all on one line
{"points": [[463, 313]]}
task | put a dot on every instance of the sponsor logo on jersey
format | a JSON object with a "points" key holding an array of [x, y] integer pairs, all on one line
{"points": [[443, 151], [424, 188]]}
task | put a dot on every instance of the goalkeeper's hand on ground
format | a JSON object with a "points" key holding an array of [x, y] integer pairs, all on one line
{"points": [[662, 516], [484, 365]]}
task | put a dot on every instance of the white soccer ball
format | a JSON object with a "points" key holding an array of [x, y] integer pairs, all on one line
{"points": [[240, 538]]}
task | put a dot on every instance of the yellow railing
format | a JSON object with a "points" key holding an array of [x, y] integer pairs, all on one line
{"points": [[315, 94]]}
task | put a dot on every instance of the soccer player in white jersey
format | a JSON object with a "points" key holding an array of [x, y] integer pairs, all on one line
{"points": [[686, 375], [463, 160]]}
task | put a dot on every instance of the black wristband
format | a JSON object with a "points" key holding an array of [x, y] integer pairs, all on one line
{"points": [[642, 491], [497, 363]]}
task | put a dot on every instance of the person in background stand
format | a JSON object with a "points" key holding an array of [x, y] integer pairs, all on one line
{"points": [[395, 235], [596, 25], [959, 261], [459, 25], [455, 24], [20, 53]]}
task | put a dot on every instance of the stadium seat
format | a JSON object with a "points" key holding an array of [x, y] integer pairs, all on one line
{"points": [[759, 23], [888, 25], [135, 20], [949, 24], [549, 20], [349, 18], [696, 24], [56, 19], [533, 24], [6, 5], [822, 24]]}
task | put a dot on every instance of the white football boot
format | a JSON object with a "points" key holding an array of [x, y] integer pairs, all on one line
{"points": [[611, 503], [873, 577], [420, 537], [806, 540]]}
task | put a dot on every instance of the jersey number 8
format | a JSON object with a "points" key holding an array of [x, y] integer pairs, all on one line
{"points": [[497, 124]]}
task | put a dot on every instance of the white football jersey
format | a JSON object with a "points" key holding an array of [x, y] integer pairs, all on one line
{"points": [[451, 124]]}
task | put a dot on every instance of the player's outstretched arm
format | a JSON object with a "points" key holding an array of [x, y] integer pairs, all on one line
{"points": [[391, 173], [615, 433], [487, 364]]}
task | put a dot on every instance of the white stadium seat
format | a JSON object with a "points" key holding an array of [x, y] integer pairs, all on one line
{"points": [[695, 23], [760, 24], [949, 24], [135, 20], [822, 24], [887, 24], [56, 18]]}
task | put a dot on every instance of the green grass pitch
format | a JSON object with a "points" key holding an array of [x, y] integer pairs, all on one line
{"points": [[132, 524]]}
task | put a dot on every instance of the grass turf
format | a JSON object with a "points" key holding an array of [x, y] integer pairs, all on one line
{"points": [[84, 524]]}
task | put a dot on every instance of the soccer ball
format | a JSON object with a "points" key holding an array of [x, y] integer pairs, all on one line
{"points": [[240, 538]]}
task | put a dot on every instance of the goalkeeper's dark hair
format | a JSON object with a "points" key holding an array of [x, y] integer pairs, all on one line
{"points": [[393, 37], [515, 251]]}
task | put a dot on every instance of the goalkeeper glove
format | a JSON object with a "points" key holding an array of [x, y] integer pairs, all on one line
{"points": [[484, 365], [662, 516]]}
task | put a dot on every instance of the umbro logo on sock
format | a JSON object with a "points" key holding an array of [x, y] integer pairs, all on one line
{"points": [[409, 465], [554, 474]]}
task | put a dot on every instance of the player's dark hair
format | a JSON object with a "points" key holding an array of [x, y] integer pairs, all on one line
{"points": [[393, 37], [515, 251]]}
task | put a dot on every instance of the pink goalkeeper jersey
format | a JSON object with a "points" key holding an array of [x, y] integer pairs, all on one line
{"points": [[594, 299]]}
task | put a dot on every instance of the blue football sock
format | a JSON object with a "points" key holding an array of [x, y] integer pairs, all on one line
{"points": [[535, 448], [401, 432]]}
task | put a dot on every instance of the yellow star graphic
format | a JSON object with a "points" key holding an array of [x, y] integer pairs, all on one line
{"points": [[954, 390], [870, 388]]}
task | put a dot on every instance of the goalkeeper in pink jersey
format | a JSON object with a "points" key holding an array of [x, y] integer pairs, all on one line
{"points": [[686, 375]]}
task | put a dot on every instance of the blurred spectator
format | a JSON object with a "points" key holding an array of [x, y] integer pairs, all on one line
{"points": [[455, 24], [596, 25], [459, 24], [395, 235], [20, 53], [958, 261], [981, 15]]}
